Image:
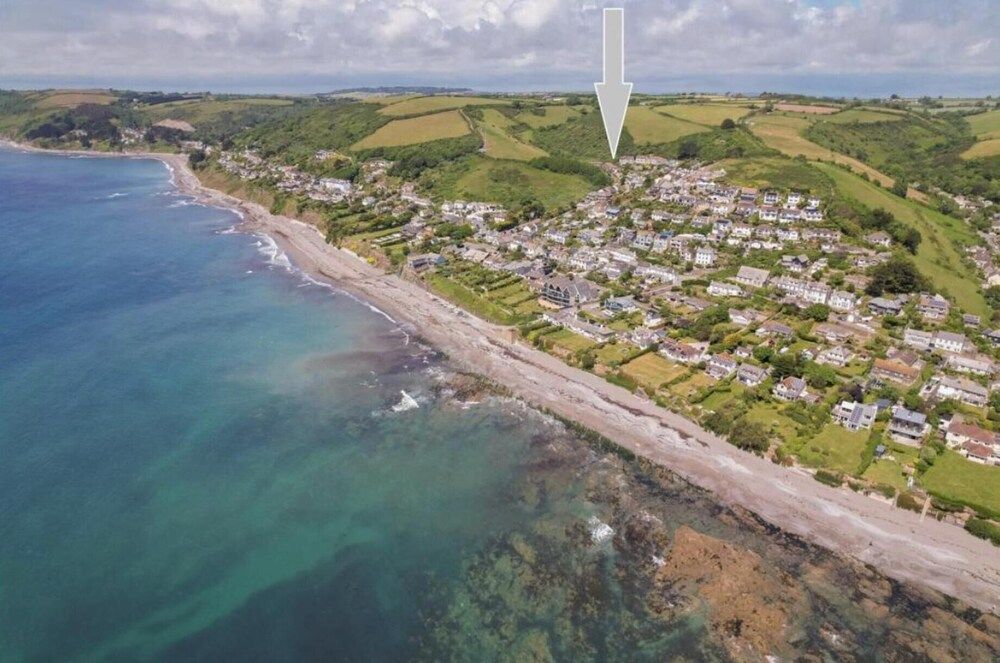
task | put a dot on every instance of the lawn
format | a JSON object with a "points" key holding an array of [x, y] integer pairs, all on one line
{"points": [[692, 385], [807, 108], [498, 141], [548, 116], [505, 182], [470, 300], [937, 257], [886, 471], [614, 353], [721, 398], [651, 370], [985, 125], [954, 477], [982, 149], [423, 129], [419, 105], [649, 127], [710, 115], [568, 341], [835, 448], [770, 416]]}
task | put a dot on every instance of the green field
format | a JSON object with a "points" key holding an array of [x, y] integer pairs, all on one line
{"points": [[779, 173], [613, 353], [423, 129], [651, 370], [500, 143], [202, 111], [937, 257], [71, 99], [567, 341], [421, 105], [983, 149], [860, 115], [769, 415], [956, 478], [835, 448], [651, 128], [710, 115], [985, 125], [548, 116], [506, 182]]}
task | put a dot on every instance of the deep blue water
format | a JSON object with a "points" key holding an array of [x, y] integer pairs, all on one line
{"points": [[198, 451]]}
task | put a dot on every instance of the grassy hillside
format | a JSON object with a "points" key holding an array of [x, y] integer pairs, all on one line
{"points": [[507, 182], [985, 125], [421, 129], [421, 105], [499, 141], [983, 148], [328, 126], [710, 115], [649, 127], [937, 257], [780, 173], [581, 137], [547, 116]]}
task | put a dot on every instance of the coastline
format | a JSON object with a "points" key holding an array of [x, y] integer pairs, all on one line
{"points": [[894, 541]]}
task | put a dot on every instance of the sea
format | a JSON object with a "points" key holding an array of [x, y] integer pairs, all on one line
{"points": [[205, 455]]}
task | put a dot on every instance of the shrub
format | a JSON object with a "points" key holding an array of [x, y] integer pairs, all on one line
{"points": [[984, 529], [828, 478]]}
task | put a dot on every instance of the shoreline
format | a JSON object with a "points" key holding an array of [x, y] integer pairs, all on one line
{"points": [[893, 541]]}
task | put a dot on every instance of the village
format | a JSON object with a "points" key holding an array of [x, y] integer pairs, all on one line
{"points": [[747, 310]]}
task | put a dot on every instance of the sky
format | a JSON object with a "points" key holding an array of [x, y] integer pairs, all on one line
{"points": [[836, 47]]}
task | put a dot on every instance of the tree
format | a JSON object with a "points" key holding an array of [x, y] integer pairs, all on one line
{"points": [[819, 376], [689, 149], [992, 295], [728, 124], [909, 238], [896, 275], [784, 365], [817, 312], [750, 435], [899, 188]]}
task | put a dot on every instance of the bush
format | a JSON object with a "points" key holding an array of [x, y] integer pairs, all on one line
{"points": [[828, 478], [984, 529], [909, 502]]}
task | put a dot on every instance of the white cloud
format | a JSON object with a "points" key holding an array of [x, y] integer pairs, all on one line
{"points": [[472, 39]]}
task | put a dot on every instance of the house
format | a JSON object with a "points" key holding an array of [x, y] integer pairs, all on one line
{"points": [[918, 339], [793, 199], [879, 239], [771, 197], [744, 317], [883, 306], [835, 356], [722, 289], [975, 364], [812, 214], [970, 320], [752, 277], [907, 426], [773, 328], [614, 305], [980, 453], [661, 241], [855, 416], [564, 291], [644, 338], [750, 375], [682, 353], [643, 241], [841, 300], [796, 264], [959, 433], [704, 256], [950, 342], [894, 371], [940, 388], [790, 389], [721, 366], [656, 273], [424, 261], [934, 307], [767, 213]]}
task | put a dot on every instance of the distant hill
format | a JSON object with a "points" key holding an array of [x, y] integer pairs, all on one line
{"points": [[399, 89]]}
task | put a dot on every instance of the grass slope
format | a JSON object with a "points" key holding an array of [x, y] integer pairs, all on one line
{"points": [[778, 172], [710, 115], [983, 149], [421, 105], [985, 125], [505, 182], [937, 258], [547, 116], [414, 130], [954, 477], [498, 141], [649, 127]]}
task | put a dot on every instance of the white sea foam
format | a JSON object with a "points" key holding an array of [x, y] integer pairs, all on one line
{"points": [[599, 531], [117, 195], [405, 403]]}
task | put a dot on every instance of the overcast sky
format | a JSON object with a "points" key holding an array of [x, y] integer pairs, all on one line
{"points": [[869, 46]]}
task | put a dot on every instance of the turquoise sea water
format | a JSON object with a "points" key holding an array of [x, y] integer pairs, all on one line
{"points": [[197, 444]]}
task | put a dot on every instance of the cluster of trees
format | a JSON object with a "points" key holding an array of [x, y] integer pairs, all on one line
{"points": [[95, 120], [880, 219], [570, 166], [898, 275]]}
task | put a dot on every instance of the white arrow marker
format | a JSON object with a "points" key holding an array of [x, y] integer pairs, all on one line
{"points": [[613, 94]]}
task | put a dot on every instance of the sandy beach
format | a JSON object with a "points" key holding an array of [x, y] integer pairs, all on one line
{"points": [[894, 541]]}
